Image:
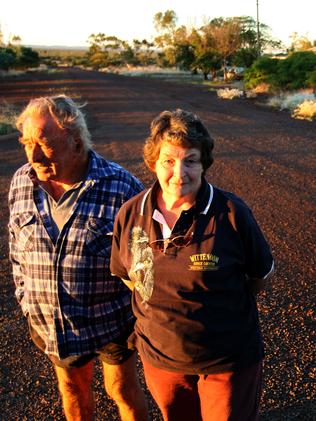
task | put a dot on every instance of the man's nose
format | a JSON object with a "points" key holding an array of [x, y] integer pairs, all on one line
{"points": [[35, 153]]}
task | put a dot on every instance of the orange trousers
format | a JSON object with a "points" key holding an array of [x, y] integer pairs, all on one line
{"points": [[232, 396]]}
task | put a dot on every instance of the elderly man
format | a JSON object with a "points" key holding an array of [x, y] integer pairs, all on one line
{"points": [[62, 207]]}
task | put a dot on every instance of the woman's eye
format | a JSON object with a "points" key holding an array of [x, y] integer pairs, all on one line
{"points": [[191, 162], [167, 163]]}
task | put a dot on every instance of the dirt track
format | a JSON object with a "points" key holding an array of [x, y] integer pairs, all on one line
{"points": [[262, 155]]}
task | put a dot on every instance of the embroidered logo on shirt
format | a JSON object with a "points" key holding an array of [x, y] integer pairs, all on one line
{"points": [[203, 261], [142, 267]]}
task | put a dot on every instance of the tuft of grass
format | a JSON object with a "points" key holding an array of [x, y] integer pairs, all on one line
{"points": [[8, 115], [250, 94], [301, 104], [290, 101], [229, 93], [305, 111]]}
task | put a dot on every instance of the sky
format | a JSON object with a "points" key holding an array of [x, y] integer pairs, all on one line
{"points": [[70, 22]]}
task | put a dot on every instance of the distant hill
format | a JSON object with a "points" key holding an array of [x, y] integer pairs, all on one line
{"points": [[57, 47]]}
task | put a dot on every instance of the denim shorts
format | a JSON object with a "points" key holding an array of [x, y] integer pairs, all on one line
{"points": [[114, 353]]}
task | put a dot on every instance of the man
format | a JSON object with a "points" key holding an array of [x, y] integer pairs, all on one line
{"points": [[62, 207]]}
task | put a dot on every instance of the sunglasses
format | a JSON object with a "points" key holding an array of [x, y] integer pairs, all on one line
{"points": [[179, 241]]}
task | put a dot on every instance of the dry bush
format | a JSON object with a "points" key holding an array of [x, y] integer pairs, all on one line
{"points": [[290, 101], [305, 111], [262, 88], [251, 94], [229, 93]]}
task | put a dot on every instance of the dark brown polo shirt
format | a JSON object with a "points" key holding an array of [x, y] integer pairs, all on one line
{"points": [[194, 311]]}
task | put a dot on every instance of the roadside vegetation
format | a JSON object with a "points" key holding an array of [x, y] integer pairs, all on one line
{"points": [[8, 115], [225, 53], [16, 56]]}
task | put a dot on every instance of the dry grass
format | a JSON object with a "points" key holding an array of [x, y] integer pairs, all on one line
{"points": [[302, 104], [229, 93], [305, 111]]}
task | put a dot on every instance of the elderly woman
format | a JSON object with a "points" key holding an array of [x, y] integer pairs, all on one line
{"points": [[195, 257]]}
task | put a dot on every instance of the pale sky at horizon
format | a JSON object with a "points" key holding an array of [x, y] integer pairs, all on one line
{"points": [[69, 22]]}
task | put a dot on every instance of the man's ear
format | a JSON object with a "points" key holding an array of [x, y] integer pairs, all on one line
{"points": [[78, 144]]}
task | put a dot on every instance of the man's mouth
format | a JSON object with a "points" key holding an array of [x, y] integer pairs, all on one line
{"points": [[41, 167]]}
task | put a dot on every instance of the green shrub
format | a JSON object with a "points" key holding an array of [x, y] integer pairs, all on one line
{"points": [[311, 80], [7, 58], [262, 70], [294, 71], [244, 57], [26, 57]]}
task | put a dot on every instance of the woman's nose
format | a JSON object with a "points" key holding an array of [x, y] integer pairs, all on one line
{"points": [[179, 168]]}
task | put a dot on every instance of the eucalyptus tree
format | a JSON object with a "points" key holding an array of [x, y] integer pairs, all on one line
{"points": [[108, 51], [225, 37], [165, 25]]}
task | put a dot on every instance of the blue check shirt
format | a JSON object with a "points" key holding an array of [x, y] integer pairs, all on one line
{"points": [[65, 287]]}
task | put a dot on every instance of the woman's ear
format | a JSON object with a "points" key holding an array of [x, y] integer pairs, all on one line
{"points": [[152, 167]]}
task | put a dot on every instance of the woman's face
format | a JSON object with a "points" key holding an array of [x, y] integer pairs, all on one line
{"points": [[179, 171]]}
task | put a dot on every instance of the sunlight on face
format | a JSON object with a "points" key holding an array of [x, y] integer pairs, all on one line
{"points": [[179, 171], [48, 149]]}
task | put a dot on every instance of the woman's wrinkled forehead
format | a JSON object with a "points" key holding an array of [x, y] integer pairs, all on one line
{"points": [[175, 138]]}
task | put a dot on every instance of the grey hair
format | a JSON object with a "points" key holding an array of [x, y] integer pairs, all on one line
{"points": [[64, 111]]}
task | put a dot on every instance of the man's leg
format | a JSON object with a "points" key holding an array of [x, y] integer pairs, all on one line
{"points": [[122, 385], [75, 386]]}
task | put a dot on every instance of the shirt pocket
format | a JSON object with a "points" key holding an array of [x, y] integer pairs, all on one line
{"points": [[24, 226], [99, 236]]}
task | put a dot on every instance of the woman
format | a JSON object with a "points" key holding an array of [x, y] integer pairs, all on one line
{"points": [[194, 256]]}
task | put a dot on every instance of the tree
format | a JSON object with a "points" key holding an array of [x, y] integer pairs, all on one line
{"points": [[185, 56], [15, 40], [1, 38], [143, 53], [26, 57], [96, 54], [248, 34], [7, 58], [244, 57], [225, 34], [165, 25], [208, 62], [300, 42], [183, 49], [108, 50]]}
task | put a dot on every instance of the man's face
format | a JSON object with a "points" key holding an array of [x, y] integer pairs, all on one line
{"points": [[49, 149], [179, 171]]}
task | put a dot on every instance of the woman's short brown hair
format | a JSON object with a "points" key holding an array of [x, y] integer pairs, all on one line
{"points": [[180, 128]]}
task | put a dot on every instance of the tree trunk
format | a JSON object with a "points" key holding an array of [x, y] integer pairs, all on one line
{"points": [[225, 69]]}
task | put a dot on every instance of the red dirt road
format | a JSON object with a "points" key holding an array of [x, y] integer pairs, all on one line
{"points": [[260, 154]]}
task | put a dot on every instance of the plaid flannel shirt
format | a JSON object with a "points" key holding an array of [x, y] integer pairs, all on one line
{"points": [[65, 287]]}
